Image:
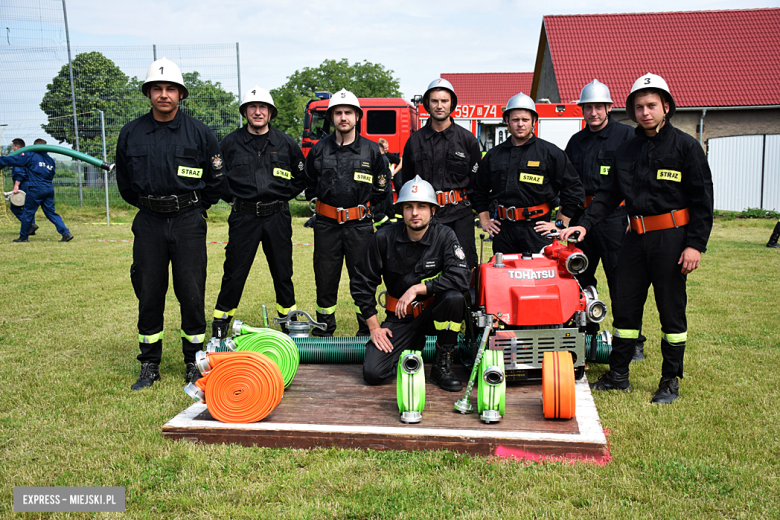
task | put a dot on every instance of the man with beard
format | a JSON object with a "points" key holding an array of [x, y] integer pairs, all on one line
{"points": [[425, 272], [346, 174], [263, 171]]}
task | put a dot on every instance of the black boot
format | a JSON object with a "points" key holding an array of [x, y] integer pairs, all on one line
{"points": [[330, 321], [192, 374], [33, 229], [67, 237], [639, 353], [775, 236], [441, 371], [150, 372], [220, 328], [612, 380], [668, 391], [20, 239]]}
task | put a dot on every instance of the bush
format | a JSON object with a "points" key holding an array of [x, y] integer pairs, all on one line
{"points": [[760, 213]]}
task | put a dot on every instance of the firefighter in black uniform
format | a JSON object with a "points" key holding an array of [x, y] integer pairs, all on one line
{"points": [[447, 156], [425, 272], [168, 165], [524, 174], [263, 171], [589, 150], [346, 174], [663, 176]]}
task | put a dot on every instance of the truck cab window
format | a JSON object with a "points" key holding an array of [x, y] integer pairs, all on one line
{"points": [[380, 122]]}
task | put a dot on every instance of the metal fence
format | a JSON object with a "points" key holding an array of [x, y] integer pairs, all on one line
{"points": [[36, 99]]}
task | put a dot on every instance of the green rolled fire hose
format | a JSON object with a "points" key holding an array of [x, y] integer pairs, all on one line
{"points": [[277, 346], [410, 386], [64, 151], [492, 386]]}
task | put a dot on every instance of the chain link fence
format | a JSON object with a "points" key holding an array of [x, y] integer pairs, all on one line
{"points": [[36, 100]]}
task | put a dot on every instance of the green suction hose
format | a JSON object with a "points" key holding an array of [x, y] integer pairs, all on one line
{"points": [[603, 349], [277, 346], [64, 151]]}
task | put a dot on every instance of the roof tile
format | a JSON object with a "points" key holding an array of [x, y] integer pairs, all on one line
{"points": [[489, 88]]}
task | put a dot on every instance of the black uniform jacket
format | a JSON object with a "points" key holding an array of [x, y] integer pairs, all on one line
{"points": [[589, 152], [449, 160], [163, 160], [346, 176], [656, 175], [528, 175], [436, 259], [267, 175]]}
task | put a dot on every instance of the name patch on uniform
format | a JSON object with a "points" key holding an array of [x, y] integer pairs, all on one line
{"points": [[531, 164], [366, 165], [604, 170], [193, 173], [363, 177], [284, 174], [669, 175], [530, 177]]}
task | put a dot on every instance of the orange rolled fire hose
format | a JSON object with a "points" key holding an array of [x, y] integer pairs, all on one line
{"points": [[241, 387], [558, 392]]}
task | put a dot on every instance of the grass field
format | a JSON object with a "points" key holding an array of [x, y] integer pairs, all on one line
{"points": [[68, 418]]}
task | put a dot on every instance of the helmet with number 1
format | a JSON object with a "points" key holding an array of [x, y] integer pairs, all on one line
{"points": [[594, 92], [653, 83], [417, 190], [164, 71], [257, 95], [520, 101], [344, 97], [440, 83]]}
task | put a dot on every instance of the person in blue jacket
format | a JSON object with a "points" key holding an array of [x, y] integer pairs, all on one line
{"points": [[19, 176], [40, 191]]}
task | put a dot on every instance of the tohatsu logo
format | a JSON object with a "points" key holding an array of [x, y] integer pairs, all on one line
{"points": [[532, 275]]}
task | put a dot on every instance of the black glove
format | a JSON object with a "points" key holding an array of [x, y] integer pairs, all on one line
{"points": [[310, 223]]}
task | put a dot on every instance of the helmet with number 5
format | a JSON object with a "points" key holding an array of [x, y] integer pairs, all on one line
{"points": [[652, 83], [257, 95], [344, 97], [164, 71], [416, 190]]}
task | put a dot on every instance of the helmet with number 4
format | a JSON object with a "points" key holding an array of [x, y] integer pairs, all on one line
{"points": [[520, 101], [650, 82], [344, 97], [594, 92], [442, 84], [417, 190], [164, 71], [257, 95]]}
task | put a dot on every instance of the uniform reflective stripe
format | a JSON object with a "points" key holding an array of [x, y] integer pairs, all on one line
{"points": [[195, 338], [150, 338], [328, 310], [627, 333], [357, 309], [431, 278], [377, 224], [224, 315], [447, 325], [681, 337], [285, 311]]}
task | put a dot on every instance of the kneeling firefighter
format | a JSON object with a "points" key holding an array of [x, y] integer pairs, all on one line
{"points": [[425, 271]]}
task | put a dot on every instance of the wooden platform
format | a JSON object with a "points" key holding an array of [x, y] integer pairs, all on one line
{"points": [[331, 406]]}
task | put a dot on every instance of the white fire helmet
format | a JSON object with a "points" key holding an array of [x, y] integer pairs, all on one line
{"points": [[594, 92], [417, 190], [164, 70], [520, 101], [344, 97], [650, 81], [444, 84], [257, 95]]}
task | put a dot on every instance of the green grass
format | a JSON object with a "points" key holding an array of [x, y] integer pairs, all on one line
{"points": [[68, 418]]}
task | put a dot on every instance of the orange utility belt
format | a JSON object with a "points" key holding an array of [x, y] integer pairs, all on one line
{"points": [[415, 308], [674, 219], [342, 215], [589, 199], [514, 214], [451, 197]]}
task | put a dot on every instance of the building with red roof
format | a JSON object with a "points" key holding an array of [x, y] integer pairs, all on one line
{"points": [[489, 88], [722, 67]]}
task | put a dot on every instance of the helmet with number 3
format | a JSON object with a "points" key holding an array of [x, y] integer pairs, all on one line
{"points": [[650, 82], [417, 190], [164, 71], [257, 95]]}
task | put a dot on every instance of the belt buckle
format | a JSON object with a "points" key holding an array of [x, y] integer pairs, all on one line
{"points": [[257, 209], [641, 219], [417, 308], [441, 198], [364, 213], [453, 200], [339, 211], [176, 200], [674, 221], [507, 212]]}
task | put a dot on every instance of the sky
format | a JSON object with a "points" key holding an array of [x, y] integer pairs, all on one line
{"points": [[417, 40]]}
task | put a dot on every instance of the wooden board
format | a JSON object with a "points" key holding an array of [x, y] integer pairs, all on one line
{"points": [[331, 406]]}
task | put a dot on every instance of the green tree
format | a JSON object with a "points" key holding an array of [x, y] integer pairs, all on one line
{"points": [[210, 103], [364, 79]]}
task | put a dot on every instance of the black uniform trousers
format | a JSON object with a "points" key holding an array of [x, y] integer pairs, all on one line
{"points": [[245, 234], [602, 244], [519, 237], [646, 259], [180, 241], [332, 245], [409, 334], [464, 230]]}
